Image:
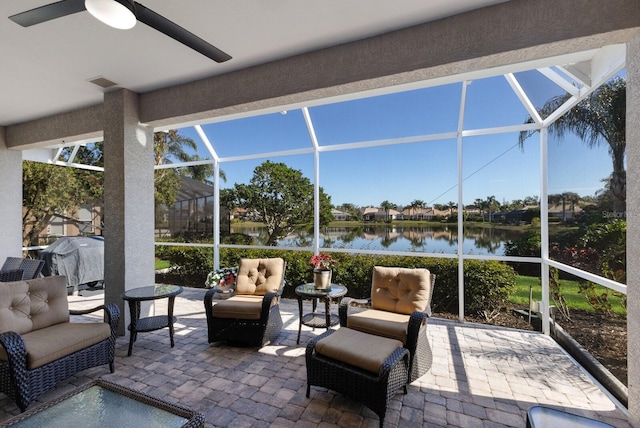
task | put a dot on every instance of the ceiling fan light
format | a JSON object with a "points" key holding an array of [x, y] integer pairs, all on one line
{"points": [[118, 14]]}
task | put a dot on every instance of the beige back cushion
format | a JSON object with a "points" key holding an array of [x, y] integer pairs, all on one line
{"points": [[400, 290], [259, 276], [15, 307], [49, 304]]}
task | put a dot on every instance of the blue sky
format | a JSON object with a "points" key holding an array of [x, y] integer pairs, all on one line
{"points": [[492, 165]]}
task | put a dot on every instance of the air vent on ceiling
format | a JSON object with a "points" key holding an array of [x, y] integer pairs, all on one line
{"points": [[102, 82]]}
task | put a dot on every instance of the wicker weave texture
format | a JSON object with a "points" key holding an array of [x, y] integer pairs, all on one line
{"points": [[11, 275], [374, 390], [24, 385]]}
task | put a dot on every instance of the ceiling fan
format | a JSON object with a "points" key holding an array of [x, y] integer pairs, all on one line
{"points": [[121, 14]]}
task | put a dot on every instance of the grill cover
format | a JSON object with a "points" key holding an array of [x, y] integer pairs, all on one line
{"points": [[79, 258]]}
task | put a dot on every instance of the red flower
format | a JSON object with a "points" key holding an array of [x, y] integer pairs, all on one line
{"points": [[323, 262]]}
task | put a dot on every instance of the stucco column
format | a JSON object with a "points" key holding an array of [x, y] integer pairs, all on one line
{"points": [[11, 206], [128, 199], [633, 228]]}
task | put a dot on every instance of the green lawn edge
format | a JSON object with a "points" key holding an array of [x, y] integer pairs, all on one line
{"points": [[570, 290]]}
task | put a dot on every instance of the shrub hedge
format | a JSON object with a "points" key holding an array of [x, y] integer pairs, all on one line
{"points": [[488, 284]]}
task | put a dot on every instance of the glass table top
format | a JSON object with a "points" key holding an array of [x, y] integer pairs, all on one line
{"points": [[310, 290], [152, 292], [100, 407]]}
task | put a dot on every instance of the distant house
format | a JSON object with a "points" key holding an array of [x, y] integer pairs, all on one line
{"points": [[340, 215], [418, 213], [564, 212], [376, 214], [369, 213]]}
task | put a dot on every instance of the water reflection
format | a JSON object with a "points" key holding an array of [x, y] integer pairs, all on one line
{"points": [[433, 239]]}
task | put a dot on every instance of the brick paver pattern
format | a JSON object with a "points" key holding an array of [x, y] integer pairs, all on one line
{"points": [[481, 377]]}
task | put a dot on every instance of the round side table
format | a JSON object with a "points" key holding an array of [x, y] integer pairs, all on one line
{"points": [[154, 292], [318, 319]]}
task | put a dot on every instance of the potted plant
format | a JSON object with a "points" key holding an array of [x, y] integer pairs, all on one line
{"points": [[223, 280], [323, 265]]}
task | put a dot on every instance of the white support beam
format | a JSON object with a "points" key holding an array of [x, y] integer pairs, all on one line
{"points": [[544, 229], [207, 143], [606, 63], [556, 78], [74, 152], [463, 102], [316, 180], [579, 71], [522, 96]]}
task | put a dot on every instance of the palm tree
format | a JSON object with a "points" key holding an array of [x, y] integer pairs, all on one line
{"points": [[598, 119], [416, 204], [451, 205], [387, 206], [490, 204]]}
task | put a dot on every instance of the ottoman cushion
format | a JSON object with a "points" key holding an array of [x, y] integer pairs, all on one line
{"points": [[358, 349]]}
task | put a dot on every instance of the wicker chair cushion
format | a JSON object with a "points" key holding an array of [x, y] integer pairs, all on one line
{"points": [[400, 290], [358, 349], [49, 344], [246, 307], [259, 276], [49, 301], [15, 307], [381, 323]]}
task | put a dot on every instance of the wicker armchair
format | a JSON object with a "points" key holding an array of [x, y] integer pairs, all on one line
{"points": [[31, 268], [398, 308], [252, 316]]}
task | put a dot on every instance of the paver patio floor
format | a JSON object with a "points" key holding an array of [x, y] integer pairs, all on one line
{"points": [[481, 377]]}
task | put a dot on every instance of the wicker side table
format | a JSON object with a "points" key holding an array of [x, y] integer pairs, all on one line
{"points": [[142, 294]]}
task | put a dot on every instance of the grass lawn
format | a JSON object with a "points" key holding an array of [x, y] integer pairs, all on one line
{"points": [[570, 289], [161, 264]]}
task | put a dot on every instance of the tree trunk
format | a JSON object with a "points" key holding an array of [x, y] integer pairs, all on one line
{"points": [[619, 192]]}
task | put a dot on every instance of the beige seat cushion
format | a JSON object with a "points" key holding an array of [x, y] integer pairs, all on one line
{"points": [[358, 349], [381, 323], [259, 276], [400, 290], [246, 307], [49, 344]]}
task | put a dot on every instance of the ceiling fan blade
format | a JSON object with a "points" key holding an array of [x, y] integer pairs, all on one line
{"points": [[48, 12], [173, 30]]}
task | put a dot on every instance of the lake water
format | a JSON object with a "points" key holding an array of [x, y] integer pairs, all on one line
{"points": [[438, 239]]}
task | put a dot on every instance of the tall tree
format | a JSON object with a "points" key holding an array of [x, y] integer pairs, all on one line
{"points": [[282, 198], [491, 204], [598, 119], [49, 190], [386, 207]]}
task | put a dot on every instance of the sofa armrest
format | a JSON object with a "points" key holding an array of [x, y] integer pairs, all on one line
{"points": [[110, 309], [16, 351], [345, 303]]}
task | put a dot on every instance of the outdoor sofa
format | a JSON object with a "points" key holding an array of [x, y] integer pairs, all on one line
{"points": [[39, 346]]}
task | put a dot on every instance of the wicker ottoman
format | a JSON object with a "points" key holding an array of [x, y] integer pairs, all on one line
{"points": [[367, 368]]}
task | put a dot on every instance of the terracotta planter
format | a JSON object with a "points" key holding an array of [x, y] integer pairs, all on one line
{"points": [[322, 279]]}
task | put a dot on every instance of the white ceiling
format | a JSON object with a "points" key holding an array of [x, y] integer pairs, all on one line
{"points": [[46, 68]]}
